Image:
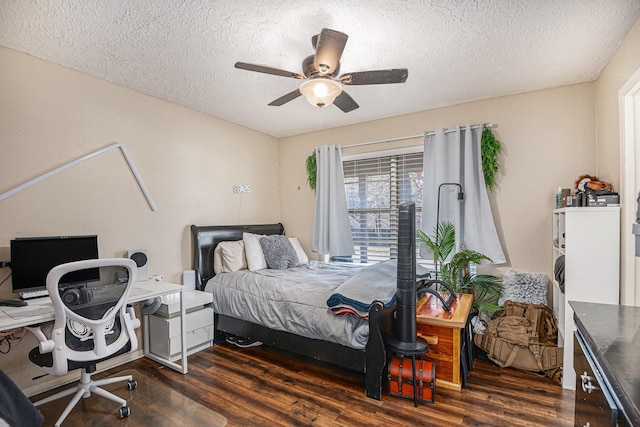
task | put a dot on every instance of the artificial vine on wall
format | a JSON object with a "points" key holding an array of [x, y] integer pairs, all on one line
{"points": [[490, 148], [311, 170]]}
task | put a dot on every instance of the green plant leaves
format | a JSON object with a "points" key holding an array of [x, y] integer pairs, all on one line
{"points": [[486, 288], [443, 241], [490, 148], [311, 170]]}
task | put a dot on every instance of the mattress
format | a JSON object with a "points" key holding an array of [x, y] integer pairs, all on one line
{"points": [[292, 300]]}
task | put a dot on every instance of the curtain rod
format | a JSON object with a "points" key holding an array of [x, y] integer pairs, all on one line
{"points": [[401, 138]]}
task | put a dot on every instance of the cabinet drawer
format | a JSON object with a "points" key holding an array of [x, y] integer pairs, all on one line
{"points": [[192, 300], [171, 327], [164, 333], [594, 405], [171, 348]]}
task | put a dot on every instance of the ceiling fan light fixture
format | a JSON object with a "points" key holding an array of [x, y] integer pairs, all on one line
{"points": [[321, 91]]}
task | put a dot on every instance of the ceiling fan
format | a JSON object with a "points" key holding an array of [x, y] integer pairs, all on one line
{"points": [[321, 85]]}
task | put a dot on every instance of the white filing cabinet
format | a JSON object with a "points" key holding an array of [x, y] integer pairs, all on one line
{"points": [[164, 325]]}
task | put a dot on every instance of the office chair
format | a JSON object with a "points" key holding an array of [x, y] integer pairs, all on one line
{"points": [[92, 323]]}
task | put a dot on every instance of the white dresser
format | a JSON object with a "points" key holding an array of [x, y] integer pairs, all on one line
{"points": [[164, 325]]}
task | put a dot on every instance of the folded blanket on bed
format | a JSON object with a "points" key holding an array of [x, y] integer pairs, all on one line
{"points": [[355, 296]]}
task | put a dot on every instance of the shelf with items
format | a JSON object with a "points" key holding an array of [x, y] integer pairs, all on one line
{"points": [[558, 231], [588, 239]]}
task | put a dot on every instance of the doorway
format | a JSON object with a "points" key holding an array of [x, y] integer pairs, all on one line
{"points": [[630, 184]]}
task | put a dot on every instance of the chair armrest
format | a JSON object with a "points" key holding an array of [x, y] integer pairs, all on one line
{"points": [[135, 322], [46, 345]]}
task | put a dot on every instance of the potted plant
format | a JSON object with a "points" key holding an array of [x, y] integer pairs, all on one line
{"points": [[455, 270]]}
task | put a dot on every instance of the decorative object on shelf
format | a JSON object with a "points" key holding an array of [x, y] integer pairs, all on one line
{"points": [[585, 182], [490, 149], [590, 191], [454, 270], [311, 170]]}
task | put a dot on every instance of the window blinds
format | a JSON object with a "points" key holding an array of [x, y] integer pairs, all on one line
{"points": [[374, 188]]}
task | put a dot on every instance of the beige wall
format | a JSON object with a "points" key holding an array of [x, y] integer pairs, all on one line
{"points": [[189, 161], [621, 67], [548, 140]]}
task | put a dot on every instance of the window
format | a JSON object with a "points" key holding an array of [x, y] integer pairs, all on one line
{"points": [[375, 186]]}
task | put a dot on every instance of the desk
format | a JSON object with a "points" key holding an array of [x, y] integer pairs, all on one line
{"points": [[443, 331], [40, 310]]}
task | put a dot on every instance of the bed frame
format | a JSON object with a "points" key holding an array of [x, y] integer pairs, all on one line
{"points": [[371, 360]]}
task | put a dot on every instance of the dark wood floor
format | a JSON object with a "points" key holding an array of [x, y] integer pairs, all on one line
{"points": [[262, 386]]}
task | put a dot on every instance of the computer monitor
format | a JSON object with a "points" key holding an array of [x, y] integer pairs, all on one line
{"points": [[33, 257]]}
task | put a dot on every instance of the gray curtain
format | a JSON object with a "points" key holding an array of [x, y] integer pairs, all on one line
{"points": [[331, 229], [452, 161]]}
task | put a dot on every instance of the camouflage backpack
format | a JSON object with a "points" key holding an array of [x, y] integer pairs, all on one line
{"points": [[523, 336]]}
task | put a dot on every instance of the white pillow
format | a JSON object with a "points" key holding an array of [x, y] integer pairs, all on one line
{"points": [[302, 256], [233, 258], [253, 251], [217, 259]]}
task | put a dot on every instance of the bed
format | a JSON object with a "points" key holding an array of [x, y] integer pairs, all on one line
{"points": [[363, 351]]}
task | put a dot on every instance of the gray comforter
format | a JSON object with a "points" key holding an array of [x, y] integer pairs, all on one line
{"points": [[292, 300]]}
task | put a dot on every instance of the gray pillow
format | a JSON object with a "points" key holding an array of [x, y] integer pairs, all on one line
{"points": [[278, 252]]}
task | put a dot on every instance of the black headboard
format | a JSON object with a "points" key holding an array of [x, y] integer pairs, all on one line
{"points": [[204, 240]]}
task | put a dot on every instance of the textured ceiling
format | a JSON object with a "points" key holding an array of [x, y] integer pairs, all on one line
{"points": [[455, 50]]}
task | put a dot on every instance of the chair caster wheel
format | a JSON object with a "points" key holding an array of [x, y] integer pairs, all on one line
{"points": [[124, 411], [133, 384]]}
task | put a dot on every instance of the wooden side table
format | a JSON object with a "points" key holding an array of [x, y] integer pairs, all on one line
{"points": [[444, 331]]}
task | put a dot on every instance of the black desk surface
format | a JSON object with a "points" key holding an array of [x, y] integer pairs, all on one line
{"points": [[612, 333]]}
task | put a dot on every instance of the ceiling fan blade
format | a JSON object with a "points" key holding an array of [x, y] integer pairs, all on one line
{"points": [[329, 47], [396, 75], [285, 98], [268, 70], [345, 102]]}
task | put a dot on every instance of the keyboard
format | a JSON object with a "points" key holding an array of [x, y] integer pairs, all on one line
{"points": [[33, 294], [12, 303]]}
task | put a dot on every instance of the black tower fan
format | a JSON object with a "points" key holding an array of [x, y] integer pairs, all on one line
{"points": [[404, 339]]}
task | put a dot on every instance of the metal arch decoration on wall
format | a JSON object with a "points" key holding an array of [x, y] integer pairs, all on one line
{"points": [[68, 165]]}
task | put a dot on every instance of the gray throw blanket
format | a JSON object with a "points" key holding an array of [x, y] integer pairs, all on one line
{"points": [[374, 283]]}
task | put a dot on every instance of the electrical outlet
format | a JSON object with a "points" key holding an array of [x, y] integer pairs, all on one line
{"points": [[241, 188]]}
